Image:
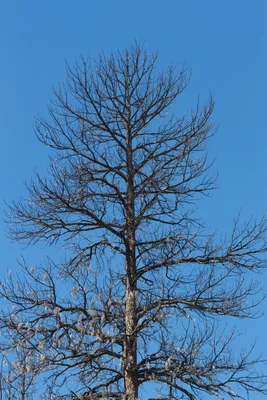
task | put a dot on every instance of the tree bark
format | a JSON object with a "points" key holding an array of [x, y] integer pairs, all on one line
{"points": [[130, 373]]}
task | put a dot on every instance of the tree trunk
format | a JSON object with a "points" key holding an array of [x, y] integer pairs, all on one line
{"points": [[130, 373], [130, 351]]}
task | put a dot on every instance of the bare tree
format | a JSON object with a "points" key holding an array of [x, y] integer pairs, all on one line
{"points": [[139, 298], [17, 378]]}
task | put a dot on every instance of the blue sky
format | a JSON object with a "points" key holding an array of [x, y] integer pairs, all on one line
{"points": [[223, 43]]}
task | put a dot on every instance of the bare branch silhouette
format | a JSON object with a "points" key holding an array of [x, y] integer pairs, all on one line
{"points": [[140, 294]]}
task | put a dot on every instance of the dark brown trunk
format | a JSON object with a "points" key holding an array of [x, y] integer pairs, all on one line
{"points": [[130, 373], [130, 351]]}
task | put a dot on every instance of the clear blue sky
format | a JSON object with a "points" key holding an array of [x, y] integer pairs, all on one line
{"points": [[224, 43]]}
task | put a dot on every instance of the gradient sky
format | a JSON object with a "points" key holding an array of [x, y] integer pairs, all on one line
{"points": [[223, 43]]}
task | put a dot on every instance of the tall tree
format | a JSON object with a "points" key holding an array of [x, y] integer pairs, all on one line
{"points": [[143, 285]]}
